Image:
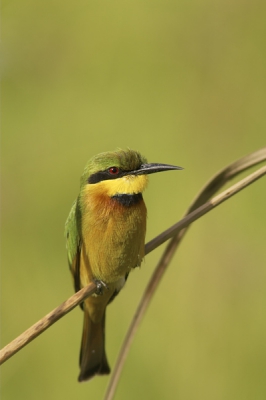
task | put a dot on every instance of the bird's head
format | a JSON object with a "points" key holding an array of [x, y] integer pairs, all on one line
{"points": [[119, 172]]}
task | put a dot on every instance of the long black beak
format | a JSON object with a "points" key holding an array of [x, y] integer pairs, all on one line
{"points": [[152, 168]]}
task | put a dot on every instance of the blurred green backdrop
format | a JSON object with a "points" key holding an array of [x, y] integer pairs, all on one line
{"points": [[183, 83]]}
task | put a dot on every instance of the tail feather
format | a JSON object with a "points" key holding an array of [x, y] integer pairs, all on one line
{"points": [[93, 359]]}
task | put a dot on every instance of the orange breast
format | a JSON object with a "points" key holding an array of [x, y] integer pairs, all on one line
{"points": [[113, 236]]}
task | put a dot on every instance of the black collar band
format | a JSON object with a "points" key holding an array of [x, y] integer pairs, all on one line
{"points": [[128, 199]]}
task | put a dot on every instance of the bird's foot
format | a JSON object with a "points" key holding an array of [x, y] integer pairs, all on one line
{"points": [[101, 286]]}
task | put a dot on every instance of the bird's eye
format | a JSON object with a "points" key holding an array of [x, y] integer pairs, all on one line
{"points": [[113, 170]]}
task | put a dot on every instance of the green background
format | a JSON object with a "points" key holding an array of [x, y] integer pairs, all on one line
{"points": [[184, 83]]}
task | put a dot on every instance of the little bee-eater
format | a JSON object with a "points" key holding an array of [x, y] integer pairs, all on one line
{"points": [[105, 234]]}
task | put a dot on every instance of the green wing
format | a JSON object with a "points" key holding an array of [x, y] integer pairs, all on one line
{"points": [[73, 242]]}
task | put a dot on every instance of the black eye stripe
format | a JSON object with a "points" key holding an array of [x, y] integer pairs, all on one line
{"points": [[104, 176]]}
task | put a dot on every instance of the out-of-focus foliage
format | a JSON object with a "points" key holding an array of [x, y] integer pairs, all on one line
{"points": [[183, 83]]}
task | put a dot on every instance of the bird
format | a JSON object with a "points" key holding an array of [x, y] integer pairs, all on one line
{"points": [[105, 239]]}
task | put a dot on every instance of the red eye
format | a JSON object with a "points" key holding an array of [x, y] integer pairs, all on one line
{"points": [[113, 170]]}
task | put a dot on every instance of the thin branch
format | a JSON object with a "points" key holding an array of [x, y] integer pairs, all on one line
{"points": [[200, 211], [44, 323], [179, 230]]}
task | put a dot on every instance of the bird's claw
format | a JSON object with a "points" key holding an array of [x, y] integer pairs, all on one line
{"points": [[100, 286]]}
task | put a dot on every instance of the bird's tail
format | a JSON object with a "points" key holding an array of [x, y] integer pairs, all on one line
{"points": [[92, 359]]}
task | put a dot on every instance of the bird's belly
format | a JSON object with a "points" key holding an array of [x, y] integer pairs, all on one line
{"points": [[115, 245]]}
